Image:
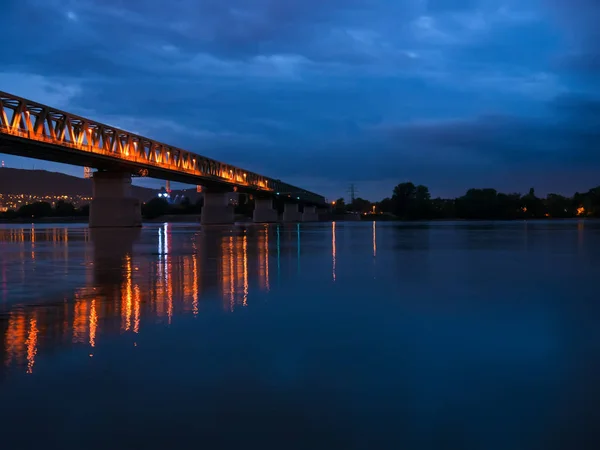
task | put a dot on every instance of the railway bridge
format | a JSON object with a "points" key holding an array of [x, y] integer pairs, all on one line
{"points": [[38, 131]]}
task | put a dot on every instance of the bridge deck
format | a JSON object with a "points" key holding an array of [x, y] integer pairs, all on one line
{"points": [[38, 131]]}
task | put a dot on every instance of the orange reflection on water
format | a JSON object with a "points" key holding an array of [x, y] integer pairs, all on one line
{"points": [[137, 300], [333, 249], [374, 239], [32, 342], [127, 296], [245, 258], [93, 323], [80, 321], [231, 275], [188, 280], [32, 242], [109, 302], [169, 294], [234, 271], [263, 260], [195, 286], [168, 272], [17, 235], [14, 338]]}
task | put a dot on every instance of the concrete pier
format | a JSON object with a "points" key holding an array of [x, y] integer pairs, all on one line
{"points": [[264, 211], [216, 209], [310, 214], [291, 213], [112, 202]]}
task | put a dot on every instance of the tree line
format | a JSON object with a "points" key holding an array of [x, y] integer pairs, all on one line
{"points": [[407, 202], [414, 202], [40, 210]]}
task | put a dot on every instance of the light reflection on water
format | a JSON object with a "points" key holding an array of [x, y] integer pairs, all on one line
{"points": [[364, 335], [115, 286]]}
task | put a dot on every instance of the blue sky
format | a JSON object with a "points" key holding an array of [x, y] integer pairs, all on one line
{"points": [[449, 93]]}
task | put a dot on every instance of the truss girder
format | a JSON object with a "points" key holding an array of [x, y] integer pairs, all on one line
{"points": [[36, 122]]}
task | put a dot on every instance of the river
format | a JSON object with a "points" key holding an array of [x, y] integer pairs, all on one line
{"points": [[463, 335]]}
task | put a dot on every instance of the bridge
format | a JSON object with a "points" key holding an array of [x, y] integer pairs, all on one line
{"points": [[38, 131]]}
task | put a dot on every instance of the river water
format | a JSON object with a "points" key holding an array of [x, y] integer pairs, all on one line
{"points": [[344, 335]]}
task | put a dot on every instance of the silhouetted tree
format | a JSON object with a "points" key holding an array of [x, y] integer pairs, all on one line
{"points": [[35, 210], [590, 202], [155, 208], [443, 209], [508, 206], [8, 215], [477, 204], [339, 206], [403, 196], [533, 207], [421, 207], [360, 205], [64, 209], [386, 205], [83, 210], [558, 206]]}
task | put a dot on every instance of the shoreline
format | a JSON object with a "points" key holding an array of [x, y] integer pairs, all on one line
{"points": [[196, 218]]}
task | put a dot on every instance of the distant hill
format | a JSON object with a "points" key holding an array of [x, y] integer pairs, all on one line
{"points": [[42, 182]]}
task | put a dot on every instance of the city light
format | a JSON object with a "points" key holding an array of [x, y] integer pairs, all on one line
{"points": [[15, 201]]}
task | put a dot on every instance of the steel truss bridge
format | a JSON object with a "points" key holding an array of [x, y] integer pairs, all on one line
{"points": [[38, 131]]}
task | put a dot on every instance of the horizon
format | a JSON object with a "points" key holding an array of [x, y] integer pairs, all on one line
{"points": [[451, 94], [182, 187]]}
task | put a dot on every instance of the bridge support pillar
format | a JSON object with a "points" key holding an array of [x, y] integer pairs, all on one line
{"points": [[310, 214], [263, 211], [216, 209], [291, 213], [112, 202]]}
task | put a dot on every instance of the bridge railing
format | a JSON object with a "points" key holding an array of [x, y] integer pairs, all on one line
{"points": [[33, 121]]}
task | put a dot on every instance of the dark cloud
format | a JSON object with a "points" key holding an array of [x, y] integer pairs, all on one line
{"points": [[568, 139], [234, 28], [581, 107], [304, 88], [435, 6], [516, 145], [580, 19], [102, 35], [587, 63]]}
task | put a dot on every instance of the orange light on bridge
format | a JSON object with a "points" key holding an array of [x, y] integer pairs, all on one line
{"points": [[16, 120]]}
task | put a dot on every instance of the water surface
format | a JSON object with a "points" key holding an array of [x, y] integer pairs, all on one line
{"points": [[344, 335]]}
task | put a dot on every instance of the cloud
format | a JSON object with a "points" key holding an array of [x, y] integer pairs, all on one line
{"points": [[333, 91], [542, 85], [565, 138], [437, 6], [427, 29], [579, 20], [57, 92]]}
